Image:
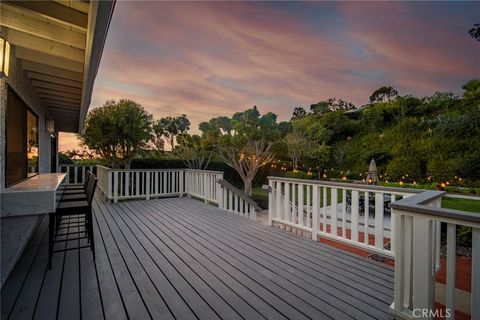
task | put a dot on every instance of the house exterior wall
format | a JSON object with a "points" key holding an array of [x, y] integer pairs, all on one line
{"points": [[21, 85]]}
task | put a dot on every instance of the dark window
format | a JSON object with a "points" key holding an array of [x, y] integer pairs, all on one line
{"points": [[22, 140]]}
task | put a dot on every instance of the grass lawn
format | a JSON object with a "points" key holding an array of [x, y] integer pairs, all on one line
{"points": [[461, 204], [261, 197]]}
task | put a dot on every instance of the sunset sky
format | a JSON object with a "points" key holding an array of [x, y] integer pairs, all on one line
{"points": [[207, 59]]}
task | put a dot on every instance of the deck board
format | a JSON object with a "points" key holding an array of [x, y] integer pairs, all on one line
{"points": [[178, 258]]}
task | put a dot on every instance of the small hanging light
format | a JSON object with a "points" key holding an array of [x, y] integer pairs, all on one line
{"points": [[4, 57]]}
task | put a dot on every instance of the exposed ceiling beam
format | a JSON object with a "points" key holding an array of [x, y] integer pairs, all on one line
{"points": [[39, 57], [56, 112], [54, 79], [39, 28], [51, 70], [54, 86], [55, 11], [45, 96], [78, 5], [63, 114], [58, 93], [68, 109], [49, 47], [48, 102]]}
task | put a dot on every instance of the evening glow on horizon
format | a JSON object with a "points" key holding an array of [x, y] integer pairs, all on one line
{"points": [[207, 59]]}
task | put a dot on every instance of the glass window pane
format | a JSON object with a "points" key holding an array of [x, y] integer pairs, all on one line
{"points": [[32, 143]]}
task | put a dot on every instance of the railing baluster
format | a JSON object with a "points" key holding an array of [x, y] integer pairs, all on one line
{"points": [[333, 215], [379, 209], [278, 205], [450, 272], [344, 213], [354, 216], [309, 206], [137, 183], [475, 294], [365, 217], [286, 203], [315, 213], [324, 209], [300, 205], [392, 223]]}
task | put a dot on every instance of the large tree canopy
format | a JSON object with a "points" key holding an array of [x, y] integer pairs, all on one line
{"points": [[117, 131], [383, 94], [330, 105], [244, 141], [194, 153], [169, 128]]}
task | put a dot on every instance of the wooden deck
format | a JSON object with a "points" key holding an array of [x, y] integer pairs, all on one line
{"points": [[178, 258]]}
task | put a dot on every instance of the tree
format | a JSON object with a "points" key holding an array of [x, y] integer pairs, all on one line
{"points": [[319, 155], [298, 112], [244, 141], [284, 127], [317, 136], [475, 31], [117, 131], [339, 153], [383, 94], [194, 154], [170, 127], [297, 145], [332, 104], [472, 91]]}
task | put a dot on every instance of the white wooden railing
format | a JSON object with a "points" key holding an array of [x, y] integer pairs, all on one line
{"points": [[76, 173], [417, 238], [120, 184], [351, 213], [203, 184], [236, 201]]}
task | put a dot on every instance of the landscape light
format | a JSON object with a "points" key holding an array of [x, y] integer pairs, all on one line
{"points": [[4, 57], [50, 125]]}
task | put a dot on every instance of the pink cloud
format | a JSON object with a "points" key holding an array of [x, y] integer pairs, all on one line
{"points": [[209, 59]]}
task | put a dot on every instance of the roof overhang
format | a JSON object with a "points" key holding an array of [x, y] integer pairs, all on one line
{"points": [[59, 45]]}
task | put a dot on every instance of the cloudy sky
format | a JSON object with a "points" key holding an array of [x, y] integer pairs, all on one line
{"points": [[207, 59]]}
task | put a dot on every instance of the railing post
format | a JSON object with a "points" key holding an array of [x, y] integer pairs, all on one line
{"points": [[475, 310], [206, 188], [422, 263], [115, 185], [109, 183], [315, 211], [270, 202], [398, 291], [181, 177], [218, 192], [148, 179]]}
